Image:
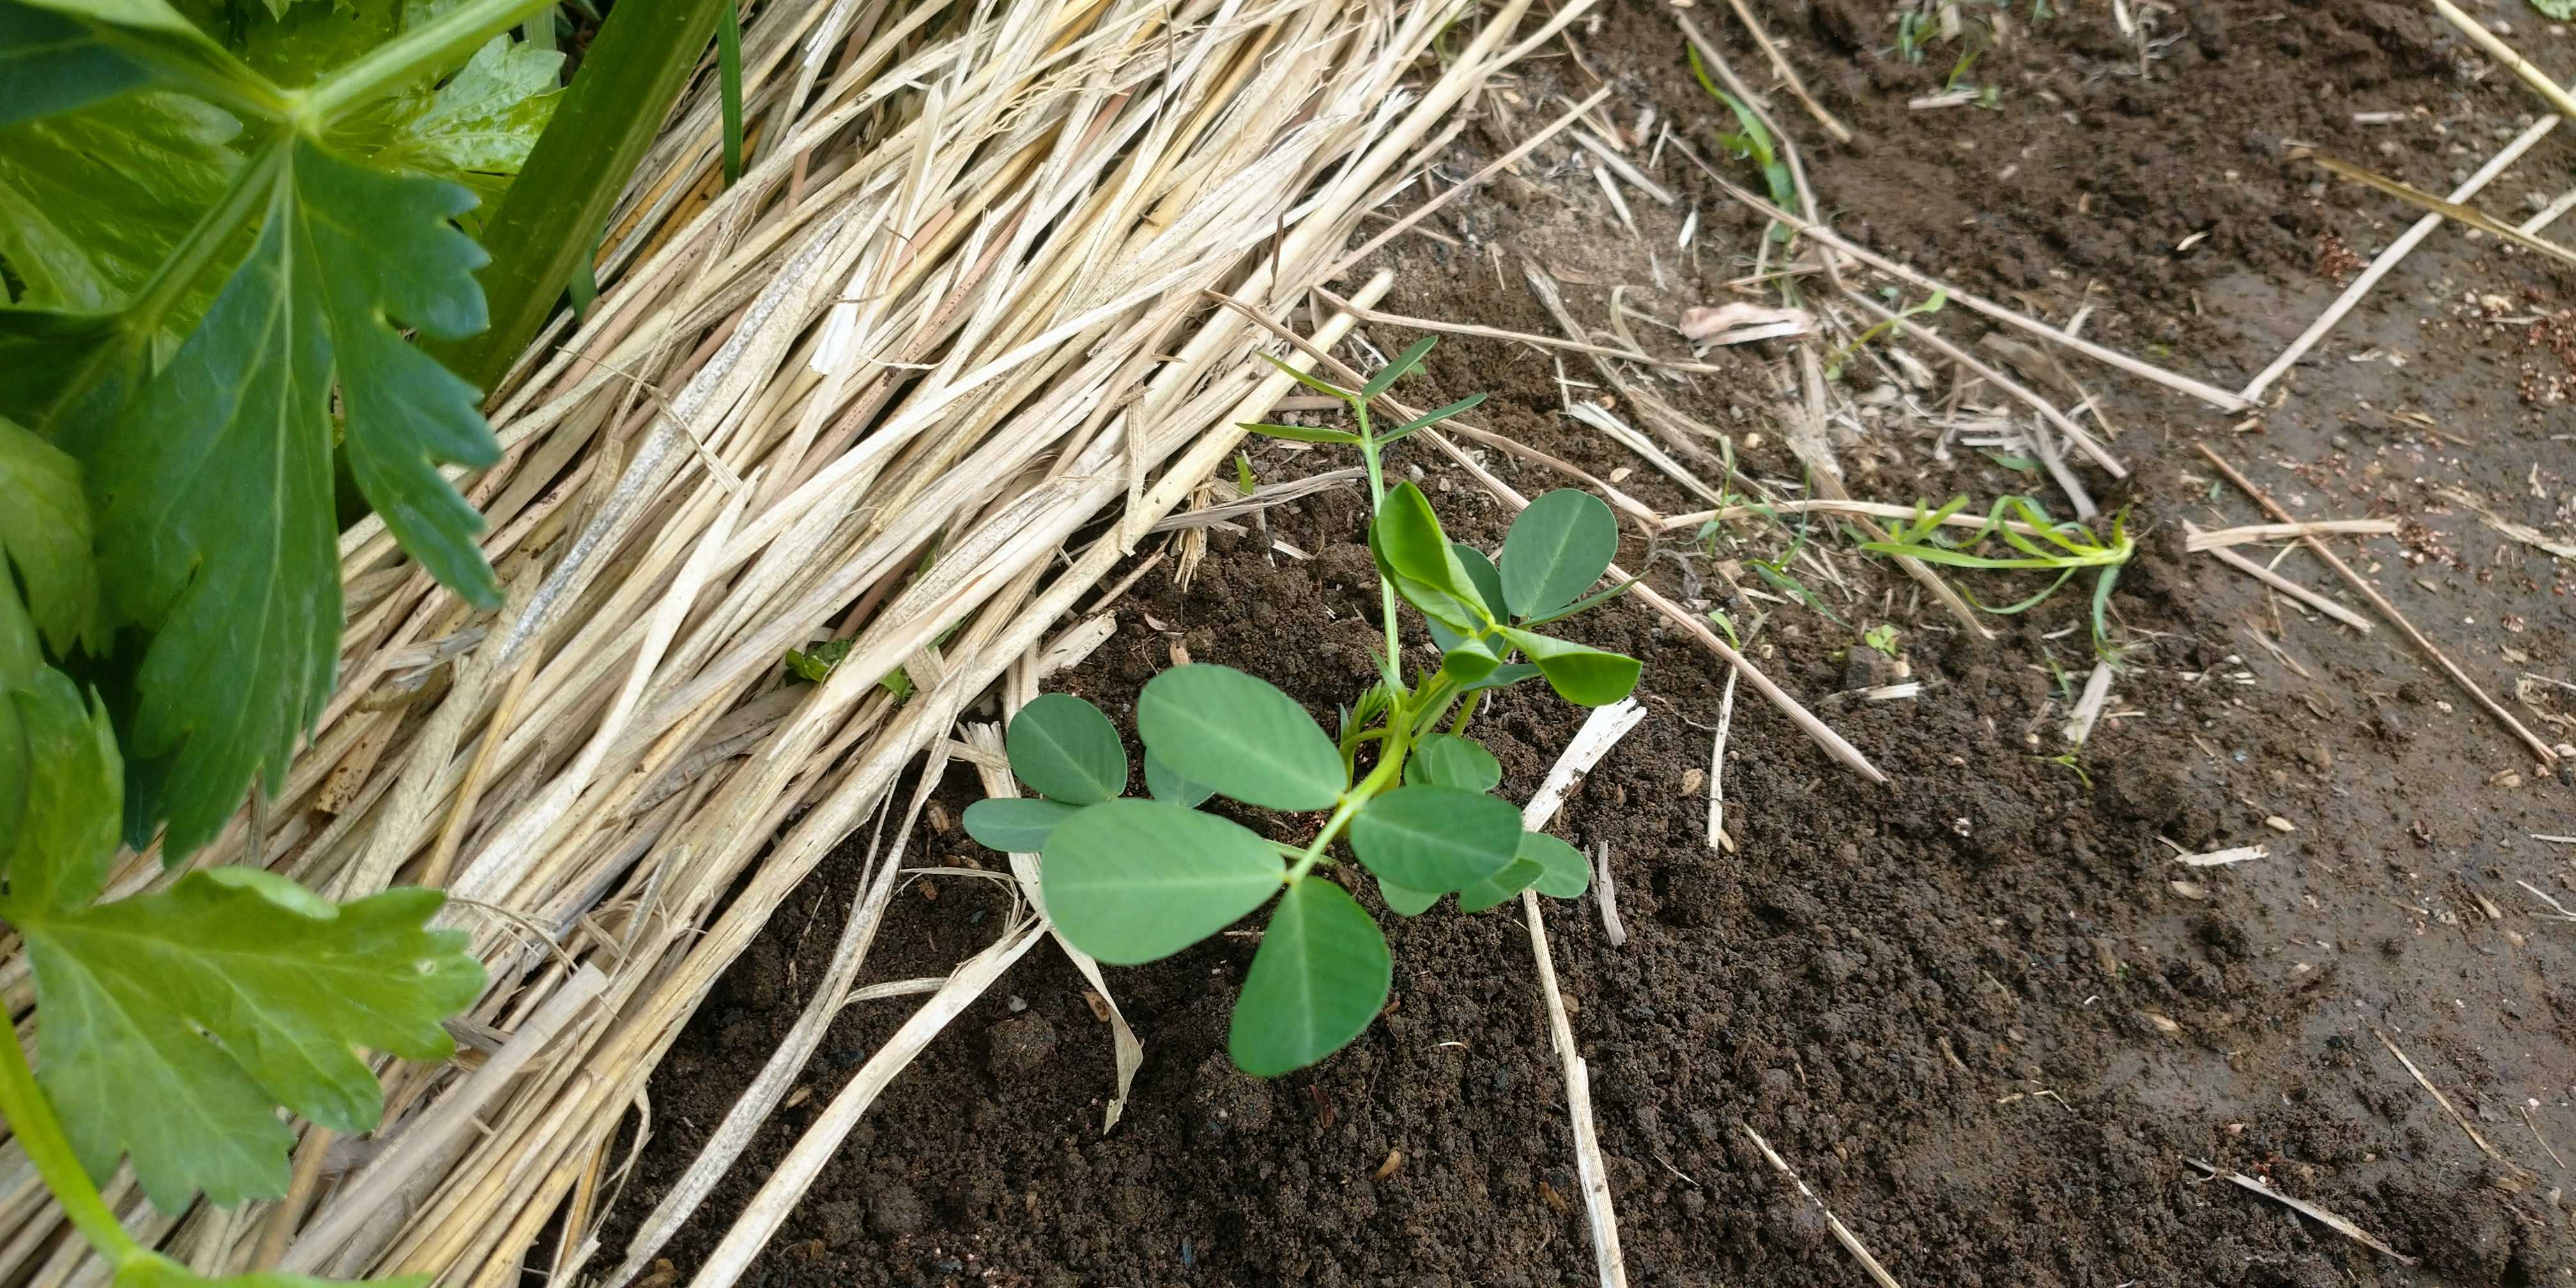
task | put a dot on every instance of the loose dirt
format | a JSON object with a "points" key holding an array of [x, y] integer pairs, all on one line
{"points": [[1983, 1010]]}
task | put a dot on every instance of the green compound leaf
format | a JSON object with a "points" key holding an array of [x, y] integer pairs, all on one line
{"points": [[1447, 760], [1494, 889], [62, 786], [476, 129], [1167, 784], [1322, 974], [93, 201], [215, 488], [1063, 747], [1436, 838], [215, 507], [45, 535], [1132, 881], [1405, 901], [1556, 549], [1015, 824], [1564, 874], [1487, 579], [1240, 736], [235, 992], [52, 64], [1579, 674]]}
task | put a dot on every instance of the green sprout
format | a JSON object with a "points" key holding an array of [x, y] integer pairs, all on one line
{"points": [[1751, 141], [1131, 880], [1881, 637], [1892, 326], [1244, 483], [2075, 549]]}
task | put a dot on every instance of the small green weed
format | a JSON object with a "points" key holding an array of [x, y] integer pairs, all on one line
{"points": [[1751, 141], [2075, 550], [1892, 326], [1132, 880], [1881, 637]]}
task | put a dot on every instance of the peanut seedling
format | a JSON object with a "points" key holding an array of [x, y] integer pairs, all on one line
{"points": [[1133, 880]]}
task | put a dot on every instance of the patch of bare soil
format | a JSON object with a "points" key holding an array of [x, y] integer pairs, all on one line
{"points": [[1982, 1009]]}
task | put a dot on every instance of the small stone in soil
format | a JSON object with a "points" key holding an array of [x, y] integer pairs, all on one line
{"points": [[1227, 1101], [1021, 1046]]}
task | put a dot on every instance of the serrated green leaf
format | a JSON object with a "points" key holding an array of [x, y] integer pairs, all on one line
{"points": [[62, 787], [1580, 674], [1321, 976], [233, 993], [1493, 890], [1447, 760], [295, 49], [214, 492], [92, 202], [1066, 749], [52, 64], [1168, 784], [152, 1270], [64, 375], [476, 129], [549, 228], [1556, 549], [1300, 433], [1015, 824], [1241, 736], [1436, 838], [2560, 10], [45, 535], [1564, 873], [1405, 901], [1487, 579], [1131, 881]]}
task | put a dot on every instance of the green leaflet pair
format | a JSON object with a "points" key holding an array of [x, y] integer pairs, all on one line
{"points": [[1132, 880]]}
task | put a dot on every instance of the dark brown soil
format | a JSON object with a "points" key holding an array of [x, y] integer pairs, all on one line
{"points": [[1973, 1007]]}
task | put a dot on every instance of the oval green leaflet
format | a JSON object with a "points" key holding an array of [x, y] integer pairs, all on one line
{"points": [[1167, 784], [1240, 736], [1556, 549], [1067, 750], [1563, 874], [1579, 674], [1014, 824], [1436, 838], [1495, 889], [1321, 975], [1447, 760], [1132, 881]]}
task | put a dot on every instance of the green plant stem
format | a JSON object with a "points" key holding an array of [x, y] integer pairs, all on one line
{"points": [[1398, 734], [559, 205], [31, 1119], [444, 41], [1467, 713], [1377, 501]]}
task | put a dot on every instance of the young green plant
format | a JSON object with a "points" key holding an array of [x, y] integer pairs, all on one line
{"points": [[2072, 548], [1135, 879]]}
